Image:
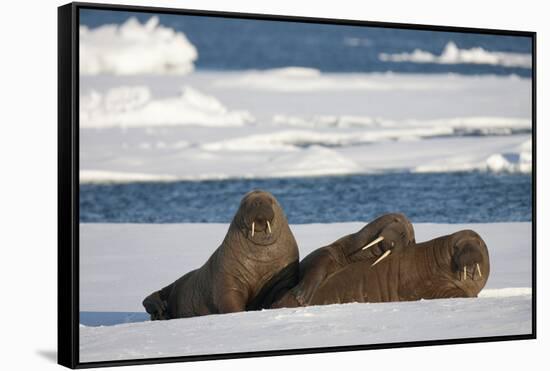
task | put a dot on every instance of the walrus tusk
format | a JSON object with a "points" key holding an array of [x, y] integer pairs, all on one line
{"points": [[373, 242], [268, 226], [388, 252], [252, 229], [465, 275], [479, 270]]}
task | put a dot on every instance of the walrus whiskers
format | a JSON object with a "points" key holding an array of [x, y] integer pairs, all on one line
{"points": [[268, 226], [252, 229], [381, 238], [479, 270], [388, 252]]}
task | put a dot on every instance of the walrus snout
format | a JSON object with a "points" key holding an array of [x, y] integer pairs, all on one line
{"points": [[262, 211], [467, 260], [155, 306], [258, 212], [260, 217]]}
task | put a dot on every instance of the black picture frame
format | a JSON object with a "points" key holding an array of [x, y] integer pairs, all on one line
{"points": [[68, 183]]}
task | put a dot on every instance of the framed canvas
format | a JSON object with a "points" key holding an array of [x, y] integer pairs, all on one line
{"points": [[337, 184]]}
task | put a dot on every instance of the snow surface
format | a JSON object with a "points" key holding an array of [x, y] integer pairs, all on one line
{"points": [[134, 48], [300, 122], [451, 54], [122, 263]]}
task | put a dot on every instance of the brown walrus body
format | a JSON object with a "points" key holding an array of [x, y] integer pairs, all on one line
{"points": [[257, 259], [392, 230], [452, 266]]}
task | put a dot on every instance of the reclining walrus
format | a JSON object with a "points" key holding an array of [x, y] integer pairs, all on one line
{"points": [[257, 259], [452, 266], [377, 239]]}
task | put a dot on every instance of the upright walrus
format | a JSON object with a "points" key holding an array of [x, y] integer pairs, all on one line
{"points": [[257, 259], [452, 266], [376, 240]]}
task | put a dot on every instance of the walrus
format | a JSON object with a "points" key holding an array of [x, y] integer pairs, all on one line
{"points": [[376, 240], [452, 266], [257, 260]]}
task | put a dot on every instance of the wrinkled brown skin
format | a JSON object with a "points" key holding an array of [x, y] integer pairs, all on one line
{"points": [[428, 270], [323, 263], [244, 273]]}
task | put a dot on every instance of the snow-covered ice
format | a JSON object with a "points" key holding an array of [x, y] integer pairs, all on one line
{"points": [[121, 263], [452, 54], [283, 123], [145, 114], [134, 48], [311, 327], [134, 106]]}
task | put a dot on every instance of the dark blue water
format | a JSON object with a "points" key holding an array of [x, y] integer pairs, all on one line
{"points": [[443, 197], [111, 318], [236, 44]]}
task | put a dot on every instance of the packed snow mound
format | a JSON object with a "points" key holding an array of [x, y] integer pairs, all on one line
{"points": [[133, 48], [135, 106], [511, 160], [453, 55]]}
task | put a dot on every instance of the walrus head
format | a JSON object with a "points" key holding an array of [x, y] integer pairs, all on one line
{"points": [[260, 217], [392, 232], [456, 265], [469, 257]]}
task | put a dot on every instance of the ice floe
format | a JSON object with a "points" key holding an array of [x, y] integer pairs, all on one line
{"points": [[134, 48], [452, 54], [134, 106]]}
